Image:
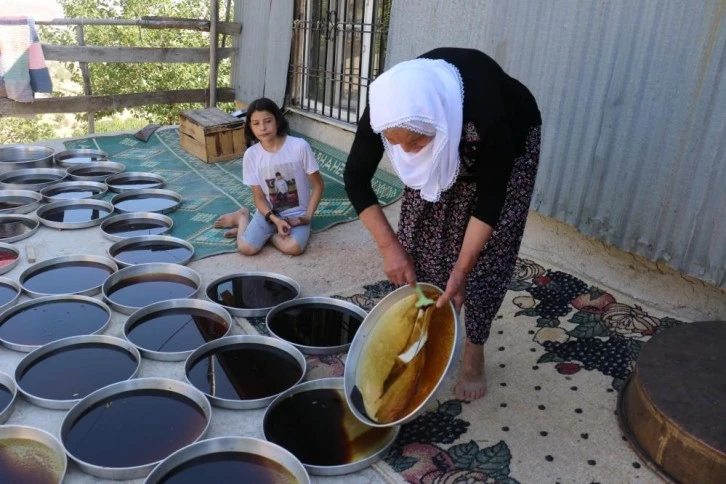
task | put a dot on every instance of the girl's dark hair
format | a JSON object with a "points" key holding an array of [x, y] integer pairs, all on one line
{"points": [[264, 104]]}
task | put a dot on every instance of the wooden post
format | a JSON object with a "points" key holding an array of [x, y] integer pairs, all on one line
{"points": [[214, 14], [86, 80]]}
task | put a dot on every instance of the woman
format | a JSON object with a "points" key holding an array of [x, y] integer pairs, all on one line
{"points": [[464, 138]]}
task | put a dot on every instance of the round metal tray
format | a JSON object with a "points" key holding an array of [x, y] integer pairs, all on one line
{"points": [[95, 171], [19, 201], [125, 225], [178, 389], [76, 214], [13, 287], [351, 317], [168, 307], [68, 344], [238, 342], [69, 158], [60, 320], [159, 248], [5, 248], [14, 227], [24, 157], [385, 439], [47, 455], [247, 302], [134, 180], [5, 410], [246, 446], [362, 339], [73, 190], [34, 179], [67, 283], [151, 200], [148, 272]]}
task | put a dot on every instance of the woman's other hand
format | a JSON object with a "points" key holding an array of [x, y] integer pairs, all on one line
{"points": [[455, 290], [398, 264]]}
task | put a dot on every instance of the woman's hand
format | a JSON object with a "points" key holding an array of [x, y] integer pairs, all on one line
{"points": [[398, 264], [455, 290]]}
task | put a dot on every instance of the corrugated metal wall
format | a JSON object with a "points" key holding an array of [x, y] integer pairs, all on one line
{"points": [[634, 104]]}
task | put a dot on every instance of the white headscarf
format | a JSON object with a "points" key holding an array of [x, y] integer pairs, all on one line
{"points": [[425, 96]]}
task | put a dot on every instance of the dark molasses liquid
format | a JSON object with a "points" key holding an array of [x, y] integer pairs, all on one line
{"points": [[134, 227], [29, 462], [145, 203], [319, 429], [71, 373], [7, 294], [39, 324], [245, 372], [175, 330], [14, 202], [31, 179], [143, 290], [5, 397], [67, 278], [253, 292], [134, 428], [94, 171], [73, 214], [146, 252], [316, 325], [135, 183], [230, 468], [73, 194]]}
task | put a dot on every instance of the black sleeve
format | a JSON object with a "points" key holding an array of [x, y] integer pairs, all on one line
{"points": [[492, 171], [364, 157]]}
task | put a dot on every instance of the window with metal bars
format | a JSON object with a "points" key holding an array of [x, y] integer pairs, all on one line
{"points": [[338, 48]]}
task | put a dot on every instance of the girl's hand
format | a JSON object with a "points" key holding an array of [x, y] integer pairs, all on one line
{"points": [[455, 290], [398, 265]]}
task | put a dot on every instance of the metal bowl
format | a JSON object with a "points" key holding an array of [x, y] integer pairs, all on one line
{"points": [[239, 342], [7, 248], [34, 179], [298, 323], [239, 294], [69, 283], [174, 306], [74, 214], [46, 453], [13, 287], [154, 248], [180, 391], [148, 200], [360, 341], [69, 158], [14, 227], [67, 344], [73, 190], [19, 201], [95, 171], [245, 446], [134, 180], [156, 272], [49, 337], [5, 410], [383, 437], [24, 157], [136, 224]]}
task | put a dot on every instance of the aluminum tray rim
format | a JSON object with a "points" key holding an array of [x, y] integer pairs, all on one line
{"points": [[169, 194], [114, 168], [8, 382], [40, 436], [91, 291], [61, 156], [18, 291], [116, 247], [61, 173], [254, 312], [26, 208], [39, 157], [165, 219], [11, 266], [84, 202], [141, 175], [102, 189]]}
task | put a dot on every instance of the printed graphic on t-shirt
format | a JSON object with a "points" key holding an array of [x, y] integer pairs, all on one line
{"points": [[283, 189]]}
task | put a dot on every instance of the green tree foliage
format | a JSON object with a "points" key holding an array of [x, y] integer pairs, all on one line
{"points": [[120, 78], [20, 130]]}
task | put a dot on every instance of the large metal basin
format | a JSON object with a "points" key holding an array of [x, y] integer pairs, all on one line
{"points": [[21, 157], [44, 450], [31, 178]]}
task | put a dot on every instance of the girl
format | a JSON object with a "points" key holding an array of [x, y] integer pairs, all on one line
{"points": [[274, 158]]}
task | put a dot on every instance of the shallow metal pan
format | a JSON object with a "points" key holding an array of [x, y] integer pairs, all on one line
{"points": [[19, 201], [12, 286], [67, 344], [95, 171], [14, 227], [108, 226], [69, 158], [232, 287], [73, 190], [162, 307], [66, 261], [24, 157], [7, 409], [54, 463], [8, 249], [89, 212], [117, 250], [133, 201], [241, 341], [34, 179], [134, 180], [160, 270], [181, 390], [227, 445]]}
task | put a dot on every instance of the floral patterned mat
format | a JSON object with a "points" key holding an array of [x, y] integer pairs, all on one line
{"points": [[559, 351]]}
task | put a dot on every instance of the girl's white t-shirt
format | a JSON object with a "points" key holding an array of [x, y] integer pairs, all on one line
{"points": [[290, 165]]}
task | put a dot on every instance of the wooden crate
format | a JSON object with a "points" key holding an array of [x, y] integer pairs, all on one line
{"points": [[211, 135]]}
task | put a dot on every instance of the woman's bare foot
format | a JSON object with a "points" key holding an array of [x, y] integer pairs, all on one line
{"points": [[472, 383], [230, 219]]}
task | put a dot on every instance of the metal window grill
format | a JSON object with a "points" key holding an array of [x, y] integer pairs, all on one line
{"points": [[338, 48]]}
